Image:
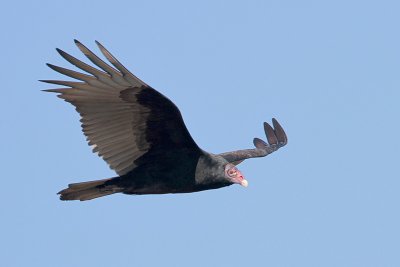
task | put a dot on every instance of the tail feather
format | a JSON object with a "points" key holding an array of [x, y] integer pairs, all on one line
{"points": [[88, 190]]}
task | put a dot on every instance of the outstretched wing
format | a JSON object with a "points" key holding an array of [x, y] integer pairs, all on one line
{"points": [[122, 117], [276, 137]]}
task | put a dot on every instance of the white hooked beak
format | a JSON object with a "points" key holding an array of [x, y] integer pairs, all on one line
{"points": [[244, 183]]}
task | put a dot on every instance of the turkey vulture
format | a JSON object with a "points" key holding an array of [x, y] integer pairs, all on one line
{"points": [[140, 133]]}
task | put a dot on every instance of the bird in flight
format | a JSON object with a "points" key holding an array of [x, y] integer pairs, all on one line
{"points": [[140, 133]]}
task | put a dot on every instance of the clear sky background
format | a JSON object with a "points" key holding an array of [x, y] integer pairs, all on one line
{"points": [[327, 70]]}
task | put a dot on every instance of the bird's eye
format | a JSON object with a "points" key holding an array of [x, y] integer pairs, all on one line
{"points": [[232, 172]]}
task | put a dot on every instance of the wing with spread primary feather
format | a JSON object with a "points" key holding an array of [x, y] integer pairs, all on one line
{"points": [[122, 117]]}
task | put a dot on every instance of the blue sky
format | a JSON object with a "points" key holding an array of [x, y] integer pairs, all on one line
{"points": [[327, 70]]}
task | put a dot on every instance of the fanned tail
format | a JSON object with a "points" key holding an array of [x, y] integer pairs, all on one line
{"points": [[89, 190]]}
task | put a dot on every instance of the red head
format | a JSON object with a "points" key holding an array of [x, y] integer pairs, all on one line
{"points": [[234, 175]]}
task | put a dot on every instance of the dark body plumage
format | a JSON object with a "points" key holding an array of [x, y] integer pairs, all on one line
{"points": [[141, 134]]}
